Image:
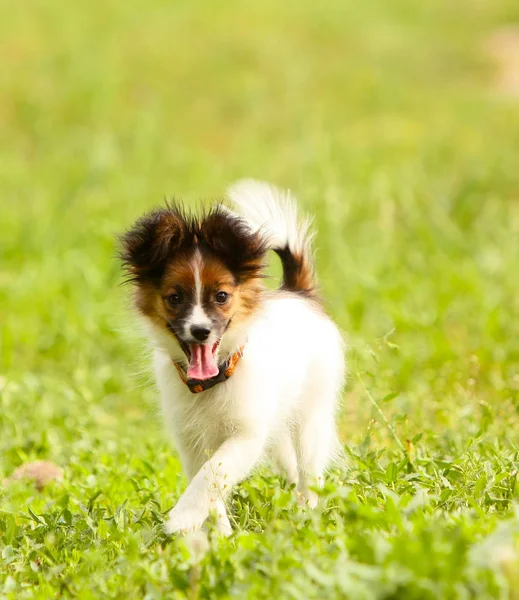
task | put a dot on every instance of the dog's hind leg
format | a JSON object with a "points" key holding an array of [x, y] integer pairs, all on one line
{"points": [[315, 440], [285, 456], [315, 435]]}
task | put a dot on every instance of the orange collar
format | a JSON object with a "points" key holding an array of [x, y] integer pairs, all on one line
{"points": [[226, 369]]}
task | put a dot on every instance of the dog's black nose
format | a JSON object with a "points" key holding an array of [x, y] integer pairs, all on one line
{"points": [[200, 333]]}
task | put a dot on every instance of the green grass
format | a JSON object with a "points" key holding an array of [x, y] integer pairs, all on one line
{"points": [[382, 117]]}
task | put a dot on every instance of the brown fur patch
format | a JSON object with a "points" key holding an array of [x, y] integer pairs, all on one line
{"points": [[153, 241], [148, 300], [231, 240], [298, 273], [244, 294], [250, 294], [179, 274], [214, 274]]}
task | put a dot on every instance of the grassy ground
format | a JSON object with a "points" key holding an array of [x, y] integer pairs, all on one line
{"points": [[382, 117]]}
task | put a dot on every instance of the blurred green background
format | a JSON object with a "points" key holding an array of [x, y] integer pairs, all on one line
{"points": [[394, 123]]}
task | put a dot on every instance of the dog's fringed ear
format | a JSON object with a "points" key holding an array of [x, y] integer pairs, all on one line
{"points": [[154, 238], [230, 237]]}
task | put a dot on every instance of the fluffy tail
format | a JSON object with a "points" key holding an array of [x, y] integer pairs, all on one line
{"points": [[273, 213]]}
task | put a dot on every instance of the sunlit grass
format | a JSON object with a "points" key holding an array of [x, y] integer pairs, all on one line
{"points": [[382, 118]]}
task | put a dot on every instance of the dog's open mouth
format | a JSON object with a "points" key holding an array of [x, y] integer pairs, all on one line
{"points": [[201, 358], [202, 361]]}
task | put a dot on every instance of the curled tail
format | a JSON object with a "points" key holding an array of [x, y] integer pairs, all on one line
{"points": [[273, 213]]}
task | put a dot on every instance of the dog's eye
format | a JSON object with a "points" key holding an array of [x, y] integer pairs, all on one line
{"points": [[222, 297], [174, 299]]}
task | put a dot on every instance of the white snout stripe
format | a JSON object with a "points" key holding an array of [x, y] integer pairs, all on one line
{"points": [[198, 316]]}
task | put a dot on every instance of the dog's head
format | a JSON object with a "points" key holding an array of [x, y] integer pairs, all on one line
{"points": [[195, 278]]}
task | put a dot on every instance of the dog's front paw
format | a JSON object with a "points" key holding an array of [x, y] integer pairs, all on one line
{"points": [[183, 520], [307, 498], [223, 526]]}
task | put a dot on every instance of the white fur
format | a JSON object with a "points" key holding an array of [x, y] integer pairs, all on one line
{"points": [[281, 401], [198, 317], [274, 213]]}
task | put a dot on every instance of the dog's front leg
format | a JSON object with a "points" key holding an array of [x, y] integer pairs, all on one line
{"points": [[207, 492]]}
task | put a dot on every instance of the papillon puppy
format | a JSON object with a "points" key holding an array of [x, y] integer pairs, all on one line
{"points": [[245, 373]]}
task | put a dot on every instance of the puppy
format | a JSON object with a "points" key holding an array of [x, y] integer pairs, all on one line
{"points": [[244, 373]]}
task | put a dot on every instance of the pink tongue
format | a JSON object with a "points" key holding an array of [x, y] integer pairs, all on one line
{"points": [[202, 364]]}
